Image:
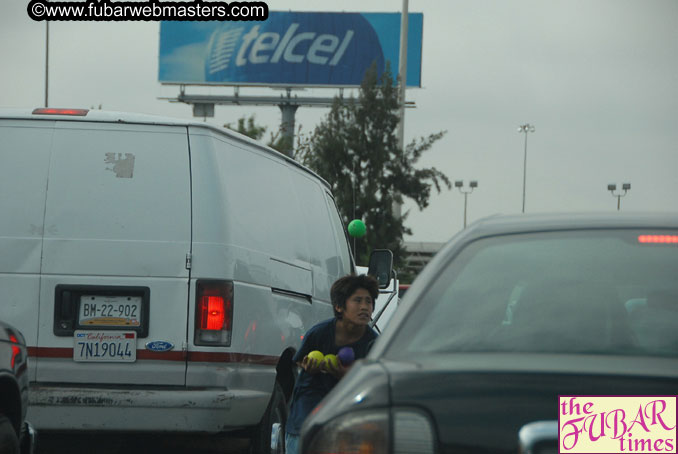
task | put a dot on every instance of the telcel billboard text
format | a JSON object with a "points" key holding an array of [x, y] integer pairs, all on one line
{"points": [[289, 48]]}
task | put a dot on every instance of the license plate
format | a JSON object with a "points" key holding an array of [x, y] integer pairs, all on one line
{"points": [[105, 346], [118, 311]]}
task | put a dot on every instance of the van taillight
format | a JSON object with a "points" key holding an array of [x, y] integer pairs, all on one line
{"points": [[53, 111], [214, 313]]}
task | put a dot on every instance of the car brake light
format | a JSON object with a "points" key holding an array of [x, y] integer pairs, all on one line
{"points": [[660, 239], [53, 111], [214, 313], [15, 349]]}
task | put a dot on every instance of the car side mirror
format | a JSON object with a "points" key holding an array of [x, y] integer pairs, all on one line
{"points": [[381, 266], [539, 437]]}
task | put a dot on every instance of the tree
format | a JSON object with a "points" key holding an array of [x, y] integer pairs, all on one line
{"points": [[356, 150], [248, 127]]}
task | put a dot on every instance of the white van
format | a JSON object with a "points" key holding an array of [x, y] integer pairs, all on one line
{"points": [[162, 271]]}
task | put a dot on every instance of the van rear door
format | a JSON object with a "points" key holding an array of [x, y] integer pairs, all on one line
{"points": [[24, 160], [114, 289]]}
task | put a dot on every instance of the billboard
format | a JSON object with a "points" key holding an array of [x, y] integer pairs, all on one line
{"points": [[289, 48]]}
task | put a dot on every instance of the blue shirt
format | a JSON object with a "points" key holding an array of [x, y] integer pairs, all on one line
{"points": [[310, 389]]}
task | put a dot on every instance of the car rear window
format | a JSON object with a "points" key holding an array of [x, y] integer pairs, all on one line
{"points": [[598, 292]]}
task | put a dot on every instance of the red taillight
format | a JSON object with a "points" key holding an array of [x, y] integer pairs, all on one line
{"points": [[53, 111], [15, 349], [659, 239], [214, 313]]}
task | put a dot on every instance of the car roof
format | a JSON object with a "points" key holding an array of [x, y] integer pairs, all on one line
{"points": [[568, 221], [549, 222], [544, 222]]}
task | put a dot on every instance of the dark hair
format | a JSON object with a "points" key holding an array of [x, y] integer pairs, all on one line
{"points": [[346, 286]]}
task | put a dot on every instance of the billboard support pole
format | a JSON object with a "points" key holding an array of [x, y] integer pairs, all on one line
{"points": [[288, 110], [402, 74]]}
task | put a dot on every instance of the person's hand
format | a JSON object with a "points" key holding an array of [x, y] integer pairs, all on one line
{"points": [[311, 366], [336, 370]]}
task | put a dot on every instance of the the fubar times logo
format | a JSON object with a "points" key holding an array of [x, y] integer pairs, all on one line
{"points": [[617, 424]]}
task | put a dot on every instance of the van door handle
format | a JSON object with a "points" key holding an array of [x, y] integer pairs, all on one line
{"points": [[305, 296]]}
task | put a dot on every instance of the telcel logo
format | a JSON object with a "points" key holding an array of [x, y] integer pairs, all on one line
{"points": [[292, 48], [269, 47]]}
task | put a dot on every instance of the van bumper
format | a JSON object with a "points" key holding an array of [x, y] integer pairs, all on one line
{"points": [[144, 410]]}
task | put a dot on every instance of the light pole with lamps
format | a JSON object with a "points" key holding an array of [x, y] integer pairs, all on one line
{"points": [[460, 184], [525, 129], [613, 187]]}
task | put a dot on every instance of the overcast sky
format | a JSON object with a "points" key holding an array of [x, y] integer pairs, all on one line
{"points": [[597, 78]]}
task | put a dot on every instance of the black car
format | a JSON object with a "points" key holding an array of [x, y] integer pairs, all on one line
{"points": [[16, 435], [511, 313]]}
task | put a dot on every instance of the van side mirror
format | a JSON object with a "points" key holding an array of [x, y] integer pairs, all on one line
{"points": [[381, 265]]}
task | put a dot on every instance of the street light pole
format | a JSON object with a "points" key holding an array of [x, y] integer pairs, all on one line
{"points": [[47, 63], [402, 72], [472, 185], [525, 129], [402, 75], [613, 187]]}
